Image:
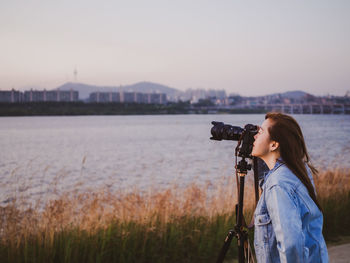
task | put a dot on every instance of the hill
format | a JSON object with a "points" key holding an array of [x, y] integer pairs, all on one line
{"points": [[296, 94], [143, 87]]}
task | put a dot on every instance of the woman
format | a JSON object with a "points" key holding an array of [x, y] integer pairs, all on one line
{"points": [[288, 218]]}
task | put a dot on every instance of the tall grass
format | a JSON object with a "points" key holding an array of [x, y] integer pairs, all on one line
{"points": [[333, 189], [172, 225]]}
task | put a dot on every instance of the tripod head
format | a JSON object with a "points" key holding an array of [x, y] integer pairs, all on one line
{"points": [[243, 167]]}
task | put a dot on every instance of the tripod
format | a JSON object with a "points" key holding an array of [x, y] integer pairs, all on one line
{"points": [[240, 230]]}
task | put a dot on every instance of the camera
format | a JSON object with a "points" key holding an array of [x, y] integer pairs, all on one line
{"points": [[245, 136]]}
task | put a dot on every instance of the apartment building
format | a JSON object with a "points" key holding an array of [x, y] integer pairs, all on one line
{"points": [[51, 95], [15, 96], [128, 97], [11, 96]]}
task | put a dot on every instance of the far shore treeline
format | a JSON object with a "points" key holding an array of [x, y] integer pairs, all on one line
{"points": [[81, 108]]}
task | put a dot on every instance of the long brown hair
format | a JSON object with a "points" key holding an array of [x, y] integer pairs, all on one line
{"points": [[286, 131]]}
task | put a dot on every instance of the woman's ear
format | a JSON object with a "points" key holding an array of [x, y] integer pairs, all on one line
{"points": [[274, 146]]}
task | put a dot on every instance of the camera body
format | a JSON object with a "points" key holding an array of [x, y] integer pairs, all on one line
{"points": [[245, 136]]}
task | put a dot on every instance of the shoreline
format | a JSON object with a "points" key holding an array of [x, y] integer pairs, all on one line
{"points": [[91, 109]]}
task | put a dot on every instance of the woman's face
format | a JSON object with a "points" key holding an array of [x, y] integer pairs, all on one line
{"points": [[261, 146]]}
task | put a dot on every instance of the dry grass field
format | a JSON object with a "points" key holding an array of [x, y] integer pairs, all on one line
{"points": [[171, 225]]}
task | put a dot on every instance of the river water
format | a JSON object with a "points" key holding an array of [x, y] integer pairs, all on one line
{"points": [[45, 155]]}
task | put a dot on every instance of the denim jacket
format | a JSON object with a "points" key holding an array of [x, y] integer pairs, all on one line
{"points": [[288, 224]]}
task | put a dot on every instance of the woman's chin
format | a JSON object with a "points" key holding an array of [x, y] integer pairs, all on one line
{"points": [[254, 154]]}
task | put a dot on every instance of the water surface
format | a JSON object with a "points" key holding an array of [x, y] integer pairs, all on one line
{"points": [[41, 155]]}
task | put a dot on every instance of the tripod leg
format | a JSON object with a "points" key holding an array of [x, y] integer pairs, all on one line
{"points": [[225, 247], [249, 255]]}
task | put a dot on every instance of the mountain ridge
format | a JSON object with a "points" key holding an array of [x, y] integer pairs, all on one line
{"points": [[143, 87], [151, 87]]}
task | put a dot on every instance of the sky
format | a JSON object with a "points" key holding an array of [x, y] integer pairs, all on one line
{"points": [[245, 47]]}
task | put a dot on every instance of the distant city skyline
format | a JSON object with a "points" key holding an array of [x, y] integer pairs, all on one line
{"points": [[247, 47]]}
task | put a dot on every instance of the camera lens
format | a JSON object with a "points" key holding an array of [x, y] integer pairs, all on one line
{"points": [[221, 131]]}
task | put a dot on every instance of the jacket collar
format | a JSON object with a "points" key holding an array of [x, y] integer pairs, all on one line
{"points": [[278, 163]]}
